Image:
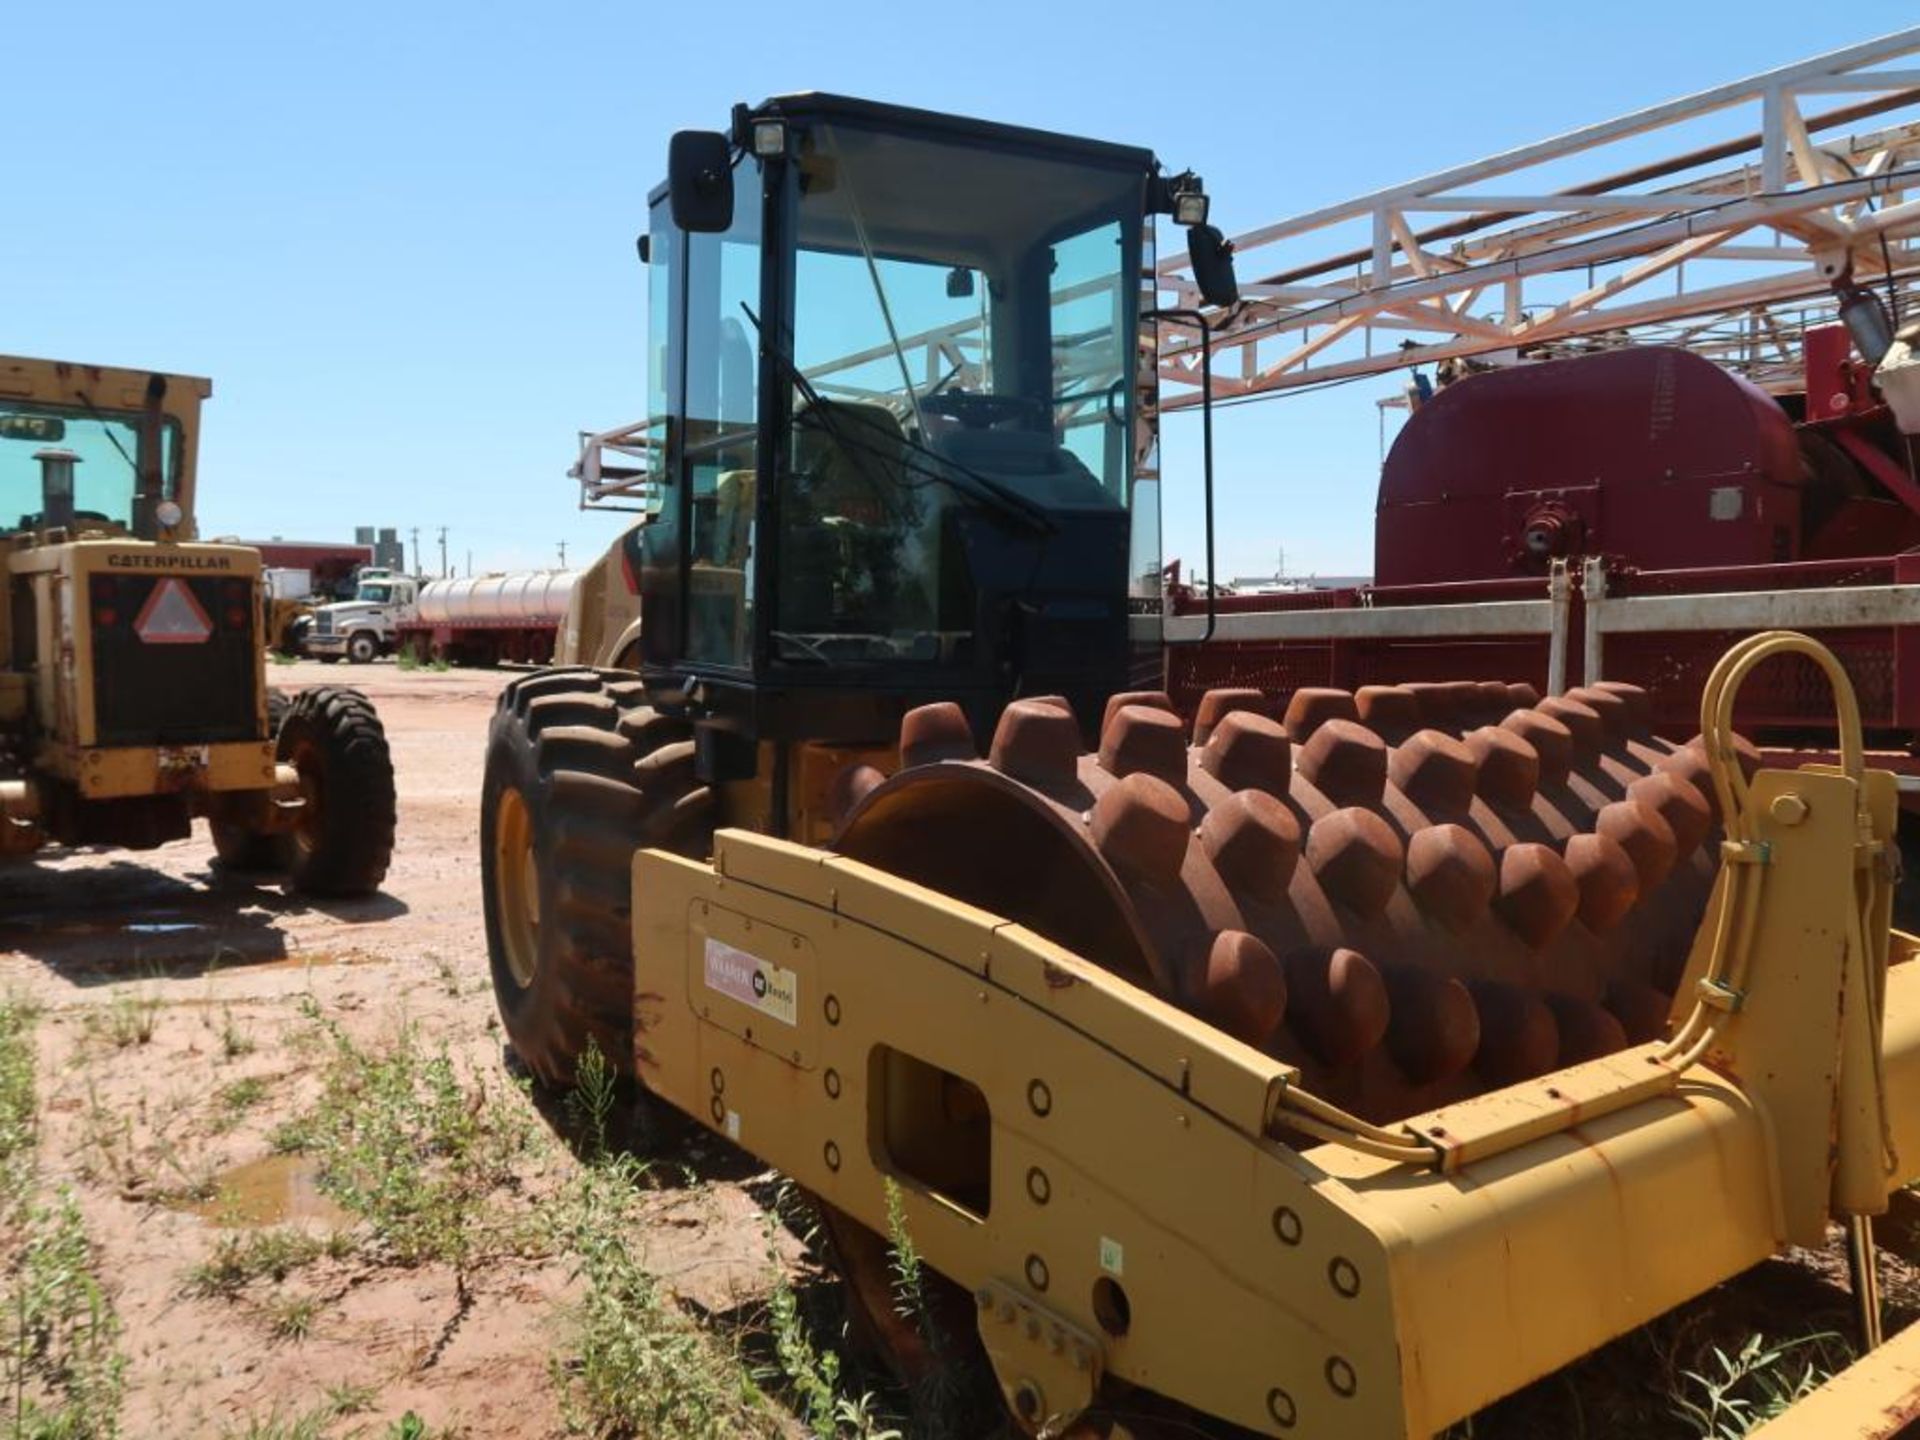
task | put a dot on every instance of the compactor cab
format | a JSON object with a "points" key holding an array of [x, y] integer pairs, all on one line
{"points": [[132, 658], [897, 421]]}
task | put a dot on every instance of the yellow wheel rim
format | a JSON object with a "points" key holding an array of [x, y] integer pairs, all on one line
{"points": [[517, 884]]}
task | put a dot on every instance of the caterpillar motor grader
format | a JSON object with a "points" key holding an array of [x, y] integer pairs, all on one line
{"points": [[133, 690], [1329, 1064]]}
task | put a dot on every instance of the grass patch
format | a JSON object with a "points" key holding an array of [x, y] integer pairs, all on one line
{"points": [[17, 1123], [241, 1257], [61, 1370], [291, 1317], [128, 1019], [277, 1424], [235, 1040], [404, 1141], [235, 1100], [351, 1399]]}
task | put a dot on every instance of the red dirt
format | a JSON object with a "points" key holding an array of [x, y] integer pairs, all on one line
{"points": [[88, 935]]}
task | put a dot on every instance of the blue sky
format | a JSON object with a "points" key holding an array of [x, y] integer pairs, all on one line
{"points": [[399, 237]]}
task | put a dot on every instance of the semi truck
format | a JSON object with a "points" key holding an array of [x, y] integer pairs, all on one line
{"points": [[362, 629]]}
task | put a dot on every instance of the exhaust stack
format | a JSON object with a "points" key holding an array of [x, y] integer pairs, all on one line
{"points": [[56, 486]]}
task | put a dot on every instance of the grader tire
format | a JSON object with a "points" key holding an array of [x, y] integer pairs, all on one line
{"points": [[581, 773], [246, 851], [344, 841]]}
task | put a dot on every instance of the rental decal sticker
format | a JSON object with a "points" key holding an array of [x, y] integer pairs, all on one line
{"points": [[766, 987]]}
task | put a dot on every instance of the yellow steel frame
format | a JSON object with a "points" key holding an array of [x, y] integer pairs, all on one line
{"points": [[1269, 1282]]}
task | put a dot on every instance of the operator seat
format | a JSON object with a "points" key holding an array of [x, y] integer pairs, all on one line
{"points": [[854, 525], [850, 457]]}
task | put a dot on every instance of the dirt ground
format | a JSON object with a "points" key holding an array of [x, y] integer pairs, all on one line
{"points": [[228, 979], [186, 1021]]}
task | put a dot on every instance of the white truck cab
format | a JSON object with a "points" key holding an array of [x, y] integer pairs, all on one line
{"points": [[362, 629]]}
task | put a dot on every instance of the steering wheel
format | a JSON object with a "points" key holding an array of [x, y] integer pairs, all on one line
{"points": [[982, 412]]}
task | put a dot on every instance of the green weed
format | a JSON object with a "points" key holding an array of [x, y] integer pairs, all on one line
{"points": [[235, 1100], [402, 1140], [292, 1317], [812, 1376], [128, 1019], [60, 1365], [293, 1136], [17, 1128], [633, 1364], [590, 1103], [278, 1425], [315, 1424], [235, 1040], [350, 1399], [240, 1257], [1757, 1383]]}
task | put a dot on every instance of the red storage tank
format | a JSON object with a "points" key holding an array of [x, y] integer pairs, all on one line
{"points": [[1651, 456]]}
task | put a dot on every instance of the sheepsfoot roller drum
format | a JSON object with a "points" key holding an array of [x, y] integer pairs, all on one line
{"points": [[1414, 894], [1329, 1073]]}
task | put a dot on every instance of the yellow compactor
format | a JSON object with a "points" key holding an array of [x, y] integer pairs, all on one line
{"points": [[1320, 1064]]}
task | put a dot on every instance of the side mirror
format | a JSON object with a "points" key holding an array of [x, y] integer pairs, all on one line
{"points": [[1211, 257], [700, 181]]}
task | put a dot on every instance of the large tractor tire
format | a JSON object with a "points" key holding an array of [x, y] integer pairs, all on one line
{"points": [[581, 773], [344, 840]]}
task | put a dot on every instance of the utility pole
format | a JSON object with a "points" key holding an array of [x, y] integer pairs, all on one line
{"points": [[563, 554], [415, 533], [443, 552], [469, 564]]}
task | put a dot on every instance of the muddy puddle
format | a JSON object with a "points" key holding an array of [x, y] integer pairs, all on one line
{"points": [[276, 1190]]}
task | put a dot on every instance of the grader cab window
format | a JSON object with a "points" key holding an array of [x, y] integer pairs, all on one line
{"points": [[103, 448]]}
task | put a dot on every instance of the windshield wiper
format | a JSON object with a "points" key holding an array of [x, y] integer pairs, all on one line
{"points": [[1008, 503], [106, 427]]}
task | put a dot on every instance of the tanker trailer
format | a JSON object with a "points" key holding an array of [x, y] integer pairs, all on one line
{"points": [[488, 619]]}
